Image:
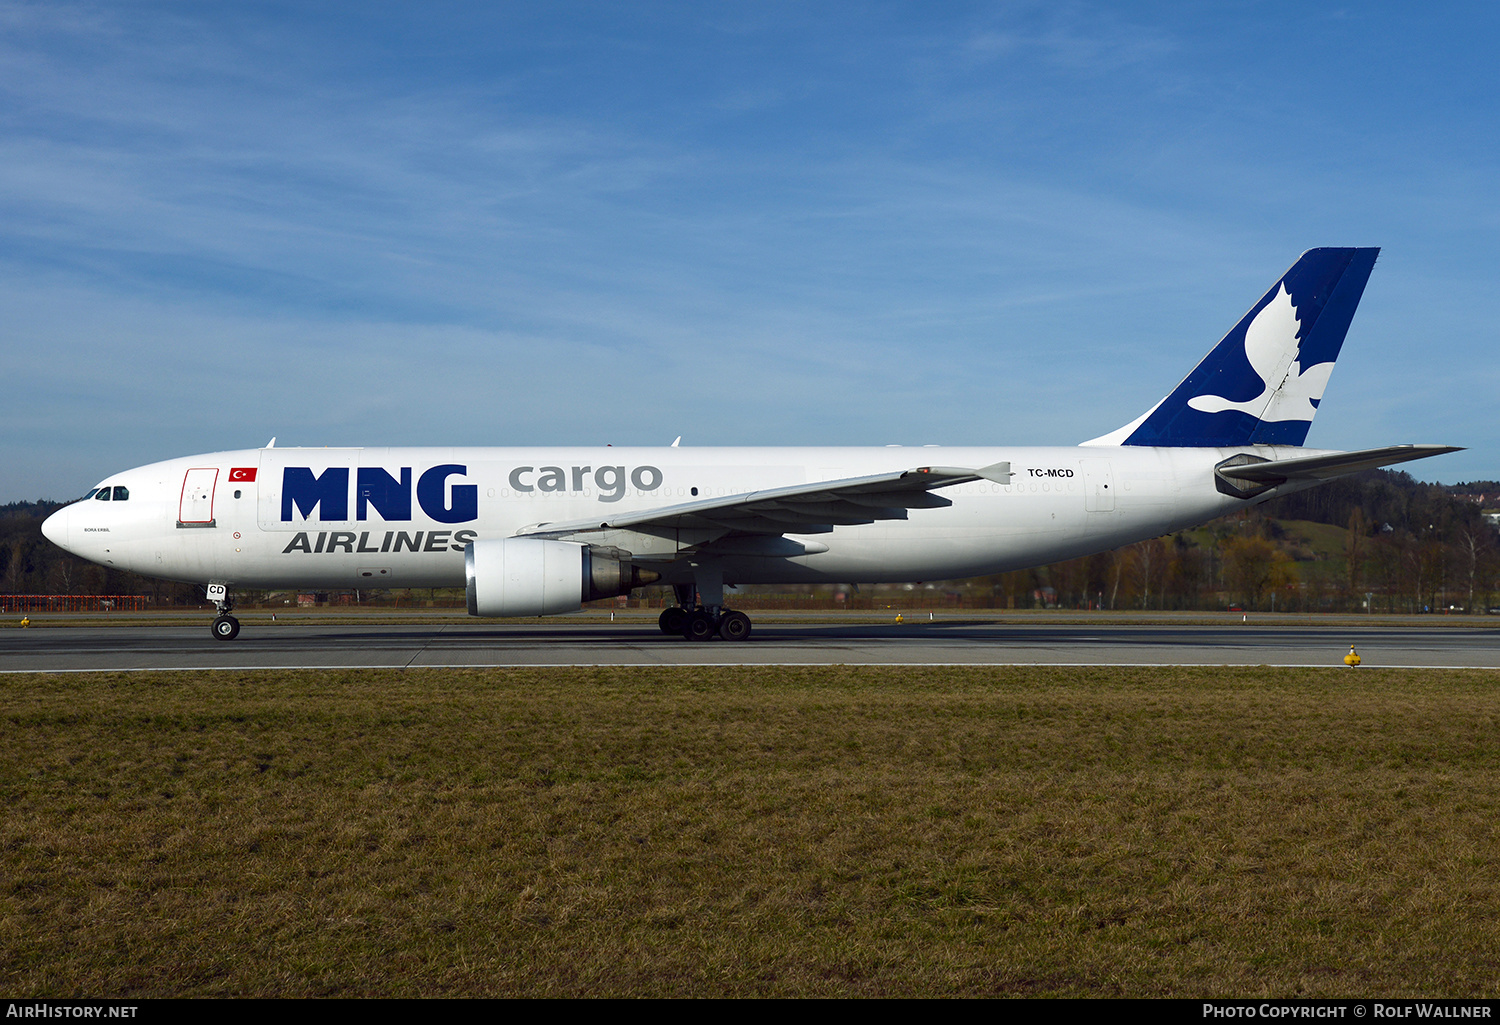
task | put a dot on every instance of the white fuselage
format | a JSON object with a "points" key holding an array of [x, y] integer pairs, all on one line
{"points": [[310, 519]]}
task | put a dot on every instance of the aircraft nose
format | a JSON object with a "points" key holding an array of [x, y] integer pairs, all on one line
{"points": [[55, 528]]}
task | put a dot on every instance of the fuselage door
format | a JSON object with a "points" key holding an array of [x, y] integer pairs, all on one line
{"points": [[1098, 486], [196, 508]]}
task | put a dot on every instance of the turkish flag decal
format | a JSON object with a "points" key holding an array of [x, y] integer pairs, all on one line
{"points": [[245, 473]]}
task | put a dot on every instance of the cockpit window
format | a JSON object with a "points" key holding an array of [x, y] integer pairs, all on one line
{"points": [[121, 493], [91, 494], [102, 496]]}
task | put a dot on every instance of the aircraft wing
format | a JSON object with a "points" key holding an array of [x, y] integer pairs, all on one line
{"points": [[799, 509], [1279, 471]]}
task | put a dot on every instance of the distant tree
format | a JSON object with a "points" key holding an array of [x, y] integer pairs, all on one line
{"points": [[1145, 567], [1254, 566], [1476, 549], [1356, 544], [16, 555]]}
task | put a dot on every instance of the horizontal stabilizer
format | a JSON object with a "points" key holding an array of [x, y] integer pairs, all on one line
{"points": [[1245, 476], [1337, 465]]}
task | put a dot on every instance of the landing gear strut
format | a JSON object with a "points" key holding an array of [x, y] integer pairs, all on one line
{"points": [[225, 627]]}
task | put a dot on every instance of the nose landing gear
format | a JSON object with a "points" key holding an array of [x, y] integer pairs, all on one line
{"points": [[225, 627]]}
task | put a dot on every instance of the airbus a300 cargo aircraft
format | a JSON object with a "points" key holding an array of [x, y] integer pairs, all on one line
{"points": [[540, 531]]}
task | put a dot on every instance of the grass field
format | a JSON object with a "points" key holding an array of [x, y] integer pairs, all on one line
{"points": [[833, 832]]}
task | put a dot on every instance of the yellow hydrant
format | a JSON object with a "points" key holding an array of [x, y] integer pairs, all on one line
{"points": [[1352, 659], [898, 617], [25, 620]]}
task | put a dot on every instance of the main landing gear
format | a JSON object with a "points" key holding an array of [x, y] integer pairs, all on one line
{"points": [[225, 627], [706, 618], [704, 624]]}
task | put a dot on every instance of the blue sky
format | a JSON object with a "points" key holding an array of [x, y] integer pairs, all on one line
{"points": [[755, 223]]}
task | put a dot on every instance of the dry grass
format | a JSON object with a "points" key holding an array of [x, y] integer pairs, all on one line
{"points": [[834, 831]]}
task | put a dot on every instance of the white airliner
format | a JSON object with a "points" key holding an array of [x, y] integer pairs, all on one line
{"points": [[540, 531]]}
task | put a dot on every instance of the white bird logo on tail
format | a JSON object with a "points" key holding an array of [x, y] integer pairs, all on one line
{"points": [[1271, 346]]}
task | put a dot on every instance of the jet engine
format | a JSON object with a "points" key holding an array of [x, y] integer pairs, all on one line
{"points": [[527, 576]]}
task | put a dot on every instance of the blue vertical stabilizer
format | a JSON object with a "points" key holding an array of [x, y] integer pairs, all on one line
{"points": [[1262, 384]]}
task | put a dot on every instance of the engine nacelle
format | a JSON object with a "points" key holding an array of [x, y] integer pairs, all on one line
{"points": [[527, 576]]}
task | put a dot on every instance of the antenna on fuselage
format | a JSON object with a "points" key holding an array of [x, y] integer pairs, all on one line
{"points": [[677, 442], [271, 443]]}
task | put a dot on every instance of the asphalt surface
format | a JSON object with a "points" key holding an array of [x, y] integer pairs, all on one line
{"points": [[267, 645]]}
